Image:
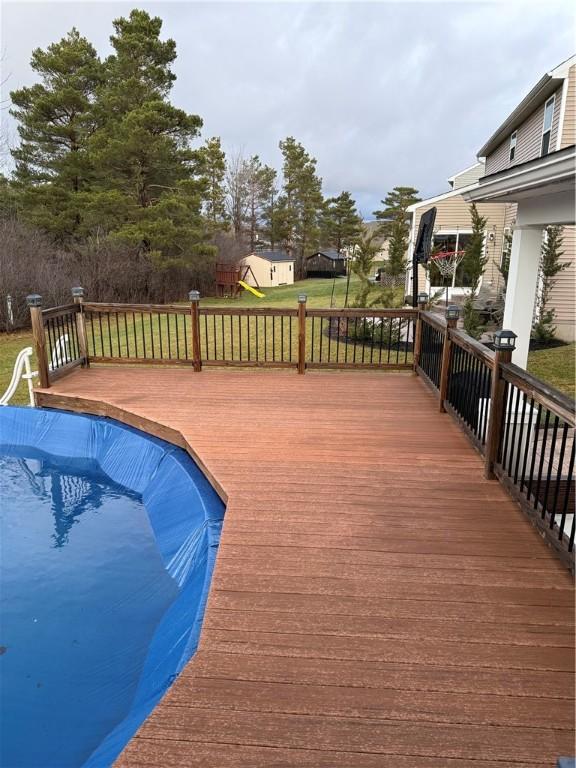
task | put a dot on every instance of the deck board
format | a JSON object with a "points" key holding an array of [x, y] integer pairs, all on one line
{"points": [[376, 602]]}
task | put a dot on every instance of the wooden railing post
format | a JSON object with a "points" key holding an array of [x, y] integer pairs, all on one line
{"points": [[452, 315], [78, 295], [302, 333], [34, 301], [422, 301], [503, 348], [194, 297]]}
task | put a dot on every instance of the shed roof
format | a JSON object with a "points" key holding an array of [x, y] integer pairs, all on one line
{"points": [[273, 255], [330, 253]]}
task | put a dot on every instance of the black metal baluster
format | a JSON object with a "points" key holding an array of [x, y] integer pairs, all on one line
{"points": [[550, 465], [542, 457], [520, 437], [527, 445], [514, 416], [566, 500], [559, 474]]}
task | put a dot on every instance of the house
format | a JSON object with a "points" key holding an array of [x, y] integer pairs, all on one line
{"points": [[529, 163], [269, 268], [326, 263], [452, 231]]}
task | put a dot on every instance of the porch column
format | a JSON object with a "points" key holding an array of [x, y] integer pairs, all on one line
{"points": [[521, 289]]}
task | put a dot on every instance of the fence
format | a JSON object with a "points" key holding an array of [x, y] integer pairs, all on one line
{"points": [[177, 334], [523, 428]]}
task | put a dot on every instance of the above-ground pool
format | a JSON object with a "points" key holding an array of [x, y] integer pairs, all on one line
{"points": [[108, 543]]}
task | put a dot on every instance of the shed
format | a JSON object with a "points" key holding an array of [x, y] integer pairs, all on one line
{"points": [[326, 263], [269, 268]]}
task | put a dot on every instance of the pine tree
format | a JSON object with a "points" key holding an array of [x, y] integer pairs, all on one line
{"points": [[395, 227], [298, 208], [148, 187], [213, 171], [260, 189], [56, 120], [544, 329], [341, 225], [473, 265]]}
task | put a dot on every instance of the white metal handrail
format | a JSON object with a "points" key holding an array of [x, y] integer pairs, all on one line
{"points": [[22, 363], [60, 356]]}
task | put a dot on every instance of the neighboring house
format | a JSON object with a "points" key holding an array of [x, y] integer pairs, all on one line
{"points": [[326, 263], [269, 268], [452, 231], [530, 163]]}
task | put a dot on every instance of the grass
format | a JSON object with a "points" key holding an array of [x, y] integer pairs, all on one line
{"points": [[10, 346], [555, 366]]}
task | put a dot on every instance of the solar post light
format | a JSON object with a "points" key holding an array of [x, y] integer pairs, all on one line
{"points": [[194, 296], [452, 312], [505, 340], [78, 292], [302, 298], [34, 300], [423, 298]]}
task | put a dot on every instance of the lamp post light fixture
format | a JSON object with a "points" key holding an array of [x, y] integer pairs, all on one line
{"points": [[78, 292], [452, 312], [302, 298], [34, 300], [423, 298], [194, 296], [505, 340]]}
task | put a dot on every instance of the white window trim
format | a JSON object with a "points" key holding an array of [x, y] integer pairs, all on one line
{"points": [[513, 138], [553, 100], [564, 99], [455, 290]]}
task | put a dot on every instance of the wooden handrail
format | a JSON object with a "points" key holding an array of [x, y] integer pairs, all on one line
{"points": [[64, 309], [436, 321], [548, 396], [368, 313], [475, 348], [155, 309]]}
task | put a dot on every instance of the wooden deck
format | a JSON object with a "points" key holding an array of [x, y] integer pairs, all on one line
{"points": [[376, 603]]}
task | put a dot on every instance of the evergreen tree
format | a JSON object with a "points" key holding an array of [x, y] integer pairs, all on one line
{"points": [[341, 224], [213, 170], [56, 120], [473, 265], [551, 265], [149, 184], [260, 189], [395, 227], [298, 208]]}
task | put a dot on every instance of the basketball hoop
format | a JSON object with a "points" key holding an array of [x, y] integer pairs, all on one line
{"points": [[447, 262]]}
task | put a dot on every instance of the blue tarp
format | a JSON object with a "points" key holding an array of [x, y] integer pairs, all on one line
{"points": [[185, 515]]}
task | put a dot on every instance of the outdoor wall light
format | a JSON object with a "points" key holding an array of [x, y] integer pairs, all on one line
{"points": [[505, 340], [34, 300], [452, 312], [194, 296], [78, 292], [302, 298], [423, 298]]}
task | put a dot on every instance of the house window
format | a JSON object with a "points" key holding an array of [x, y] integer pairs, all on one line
{"points": [[448, 242], [547, 126], [513, 146]]}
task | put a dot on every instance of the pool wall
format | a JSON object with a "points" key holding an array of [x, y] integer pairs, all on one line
{"points": [[185, 514]]}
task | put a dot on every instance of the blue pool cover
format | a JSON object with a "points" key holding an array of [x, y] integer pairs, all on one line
{"points": [[108, 543]]}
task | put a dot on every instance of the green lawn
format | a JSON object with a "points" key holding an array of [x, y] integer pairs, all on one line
{"points": [[10, 345], [556, 366], [318, 291]]}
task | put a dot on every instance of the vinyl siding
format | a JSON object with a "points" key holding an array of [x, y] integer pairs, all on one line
{"points": [[469, 177], [563, 297], [454, 214], [569, 128], [529, 139]]}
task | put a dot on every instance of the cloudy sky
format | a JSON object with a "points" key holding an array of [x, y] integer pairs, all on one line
{"points": [[381, 93]]}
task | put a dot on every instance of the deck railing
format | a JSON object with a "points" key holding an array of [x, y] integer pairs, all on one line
{"points": [[177, 334], [523, 428]]}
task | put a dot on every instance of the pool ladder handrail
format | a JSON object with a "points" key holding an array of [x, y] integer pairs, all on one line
{"points": [[60, 356], [22, 362]]}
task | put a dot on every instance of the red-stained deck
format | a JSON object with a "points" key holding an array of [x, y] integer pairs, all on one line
{"points": [[376, 603]]}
